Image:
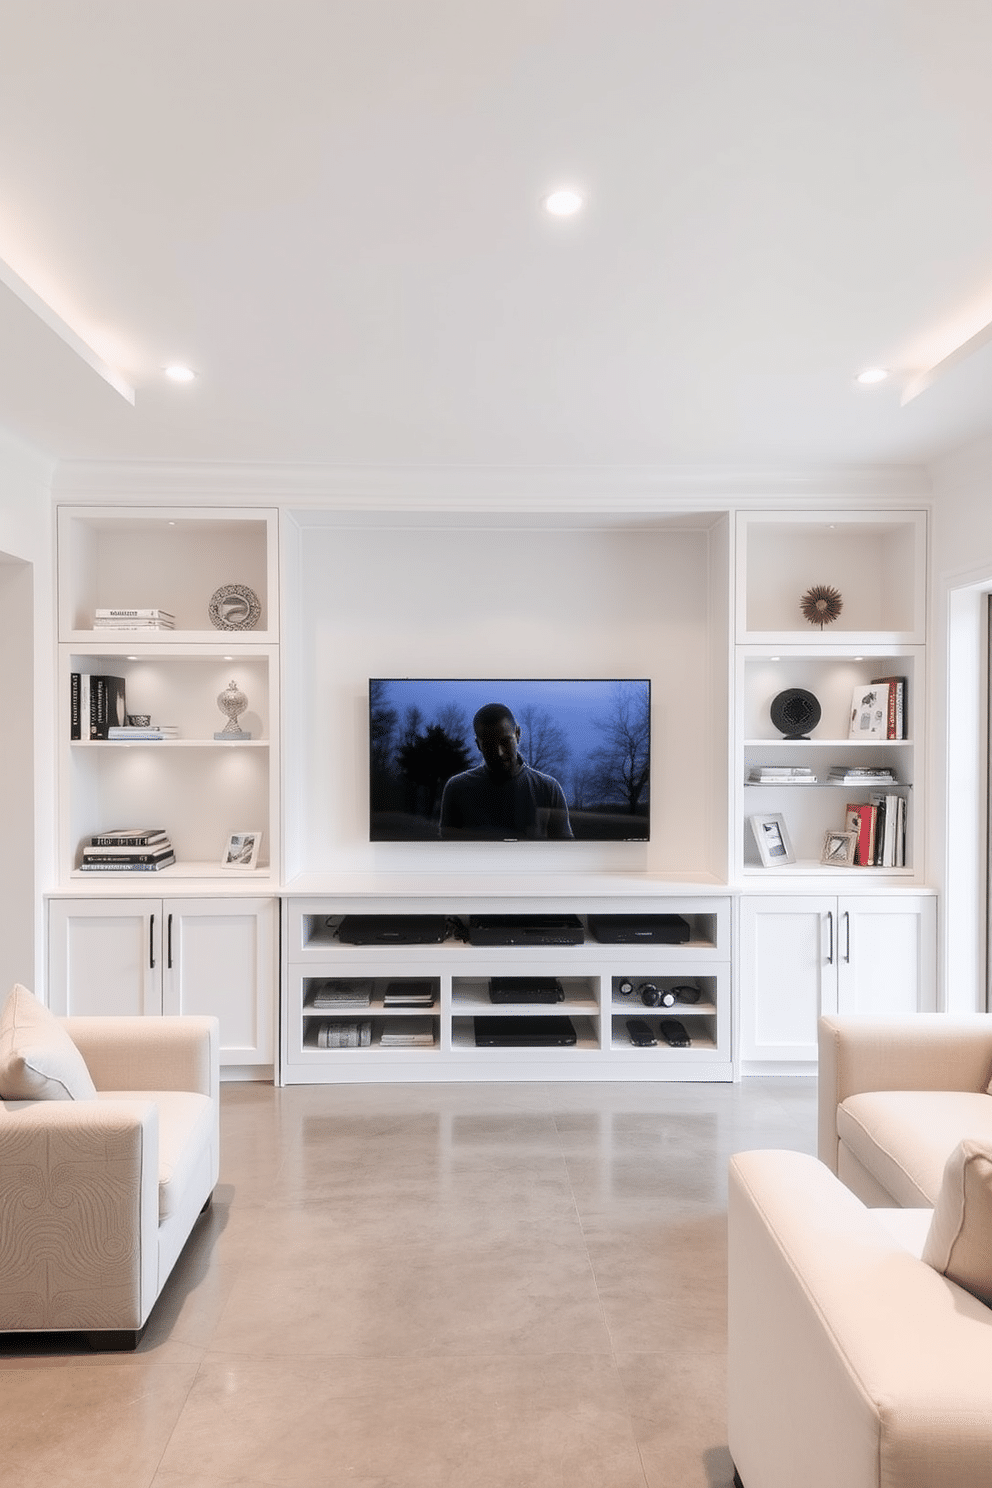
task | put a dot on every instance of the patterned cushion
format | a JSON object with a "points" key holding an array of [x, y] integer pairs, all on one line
{"points": [[38, 1060], [959, 1242]]}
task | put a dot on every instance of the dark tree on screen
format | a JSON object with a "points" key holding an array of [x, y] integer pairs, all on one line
{"points": [[543, 743], [621, 762], [427, 761]]}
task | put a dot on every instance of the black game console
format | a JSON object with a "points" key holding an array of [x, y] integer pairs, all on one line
{"points": [[639, 929], [526, 930], [392, 929], [525, 989]]}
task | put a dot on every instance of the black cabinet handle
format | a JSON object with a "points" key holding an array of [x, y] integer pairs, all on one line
{"points": [[151, 942], [830, 922], [168, 938]]}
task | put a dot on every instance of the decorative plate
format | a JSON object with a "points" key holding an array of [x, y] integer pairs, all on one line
{"points": [[235, 607], [794, 712]]}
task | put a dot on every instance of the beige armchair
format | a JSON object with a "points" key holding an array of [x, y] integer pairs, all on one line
{"points": [[896, 1095], [99, 1196], [852, 1363]]}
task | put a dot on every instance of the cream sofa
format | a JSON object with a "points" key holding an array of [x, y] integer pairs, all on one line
{"points": [[859, 1317], [99, 1195], [852, 1363], [896, 1095]]}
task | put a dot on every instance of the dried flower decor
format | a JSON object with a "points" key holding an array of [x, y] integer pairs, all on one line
{"points": [[821, 605]]}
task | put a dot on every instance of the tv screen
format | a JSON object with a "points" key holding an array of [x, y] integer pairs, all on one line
{"points": [[509, 760]]}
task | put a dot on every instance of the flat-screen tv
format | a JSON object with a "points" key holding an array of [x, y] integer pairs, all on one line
{"points": [[509, 759]]}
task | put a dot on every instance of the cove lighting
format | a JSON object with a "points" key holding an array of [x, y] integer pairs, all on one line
{"points": [[564, 203], [872, 375], [178, 373]]}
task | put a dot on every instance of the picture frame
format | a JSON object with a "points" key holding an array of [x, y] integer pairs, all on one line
{"points": [[839, 849], [241, 852], [772, 838]]}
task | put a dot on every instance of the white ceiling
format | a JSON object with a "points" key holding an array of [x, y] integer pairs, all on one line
{"points": [[331, 210]]}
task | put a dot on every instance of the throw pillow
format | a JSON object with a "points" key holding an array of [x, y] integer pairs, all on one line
{"points": [[959, 1241], [38, 1060]]}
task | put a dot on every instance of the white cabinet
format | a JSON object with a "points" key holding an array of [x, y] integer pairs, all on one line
{"points": [[803, 955], [171, 955], [327, 1039]]}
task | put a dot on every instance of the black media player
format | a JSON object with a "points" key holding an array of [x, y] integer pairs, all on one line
{"points": [[380, 930], [525, 930], [639, 929]]}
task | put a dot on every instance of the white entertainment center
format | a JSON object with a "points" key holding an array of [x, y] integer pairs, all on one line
{"points": [[703, 602]]}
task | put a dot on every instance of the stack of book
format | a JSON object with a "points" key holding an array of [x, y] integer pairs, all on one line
{"points": [[96, 704], [132, 732], [128, 850], [344, 1033], [408, 994], [781, 775], [341, 994], [411, 1033], [878, 709], [125, 619], [860, 775], [881, 827]]}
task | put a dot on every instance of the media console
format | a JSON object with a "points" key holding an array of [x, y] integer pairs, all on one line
{"points": [[346, 1018]]}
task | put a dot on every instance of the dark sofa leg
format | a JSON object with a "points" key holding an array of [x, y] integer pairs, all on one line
{"points": [[207, 1202], [738, 1483], [115, 1340]]}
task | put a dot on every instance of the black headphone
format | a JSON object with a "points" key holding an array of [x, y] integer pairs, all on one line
{"points": [[653, 996]]}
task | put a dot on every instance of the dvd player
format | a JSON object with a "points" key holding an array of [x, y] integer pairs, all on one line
{"points": [[392, 929], [525, 989], [639, 929], [526, 930]]}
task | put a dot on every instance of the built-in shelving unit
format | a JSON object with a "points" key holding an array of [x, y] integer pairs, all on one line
{"points": [[459, 973], [199, 788], [706, 603], [877, 561]]}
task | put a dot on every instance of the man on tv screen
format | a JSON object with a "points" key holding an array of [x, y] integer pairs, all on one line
{"points": [[503, 799]]}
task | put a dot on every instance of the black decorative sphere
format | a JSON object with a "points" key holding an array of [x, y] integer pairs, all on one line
{"points": [[794, 712]]}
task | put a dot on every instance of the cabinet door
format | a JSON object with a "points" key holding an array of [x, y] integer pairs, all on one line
{"points": [[787, 975], [886, 954], [104, 956], [220, 958]]}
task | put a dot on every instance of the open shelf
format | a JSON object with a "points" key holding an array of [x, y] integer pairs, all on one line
{"points": [[588, 973]]}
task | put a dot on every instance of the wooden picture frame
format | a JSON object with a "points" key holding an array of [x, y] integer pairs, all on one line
{"points": [[241, 852], [772, 838]]}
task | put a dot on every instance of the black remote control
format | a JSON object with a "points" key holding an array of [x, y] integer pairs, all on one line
{"points": [[640, 1033], [673, 1032]]}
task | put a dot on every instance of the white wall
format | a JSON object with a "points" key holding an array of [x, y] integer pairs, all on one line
{"points": [[501, 600], [26, 678], [961, 568]]}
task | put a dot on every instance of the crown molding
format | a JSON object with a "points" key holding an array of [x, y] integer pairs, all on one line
{"points": [[551, 489]]}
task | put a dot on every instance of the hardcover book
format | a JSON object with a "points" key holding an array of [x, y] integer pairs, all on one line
{"points": [[123, 865], [129, 837], [896, 727], [107, 705], [870, 711], [127, 854]]}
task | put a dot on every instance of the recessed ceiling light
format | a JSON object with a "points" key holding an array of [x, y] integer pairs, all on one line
{"points": [[564, 203], [871, 375], [177, 373]]}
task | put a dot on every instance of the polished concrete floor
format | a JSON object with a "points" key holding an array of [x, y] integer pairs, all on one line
{"points": [[461, 1286]]}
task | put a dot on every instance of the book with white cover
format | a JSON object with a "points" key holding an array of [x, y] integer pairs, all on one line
{"points": [[870, 711]]}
